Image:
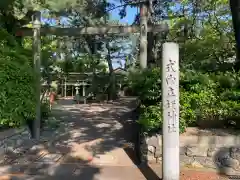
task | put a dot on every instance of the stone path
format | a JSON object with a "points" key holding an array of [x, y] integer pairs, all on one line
{"points": [[90, 143]]}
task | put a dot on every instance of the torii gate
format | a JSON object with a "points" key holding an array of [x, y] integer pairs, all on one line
{"points": [[37, 31], [170, 64]]}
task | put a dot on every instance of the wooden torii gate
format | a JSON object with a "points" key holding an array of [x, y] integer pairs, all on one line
{"points": [[37, 31]]}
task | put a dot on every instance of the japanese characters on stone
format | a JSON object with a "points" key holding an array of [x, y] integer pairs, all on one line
{"points": [[171, 94]]}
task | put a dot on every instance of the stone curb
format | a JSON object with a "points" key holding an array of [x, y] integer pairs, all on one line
{"points": [[215, 152], [13, 138], [216, 141], [16, 138], [11, 132]]}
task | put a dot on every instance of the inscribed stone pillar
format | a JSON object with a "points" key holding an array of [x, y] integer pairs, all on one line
{"points": [[170, 104]]}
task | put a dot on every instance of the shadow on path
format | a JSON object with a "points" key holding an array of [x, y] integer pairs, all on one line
{"points": [[93, 142]]}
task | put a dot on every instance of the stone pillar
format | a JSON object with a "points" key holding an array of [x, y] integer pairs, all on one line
{"points": [[72, 91], [37, 66], [65, 87], [83, 93], [170, 104], [143, 35], [77, 92], [77, 95]]}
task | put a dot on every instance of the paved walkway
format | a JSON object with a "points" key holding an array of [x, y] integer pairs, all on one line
{"points": [[91, 143]]}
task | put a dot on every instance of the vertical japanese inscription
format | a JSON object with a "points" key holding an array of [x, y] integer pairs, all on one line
{"points": [[170, 105], [171, 94]]}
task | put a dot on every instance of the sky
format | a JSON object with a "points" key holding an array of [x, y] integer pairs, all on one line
{"points": [[131, 12]]}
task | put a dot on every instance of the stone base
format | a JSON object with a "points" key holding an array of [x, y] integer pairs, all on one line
{"points": [[221, 153]]}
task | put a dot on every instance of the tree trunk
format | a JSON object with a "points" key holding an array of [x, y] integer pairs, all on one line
{"points": [[235, 7], [150, 47], [112, 94], [112, 86]]}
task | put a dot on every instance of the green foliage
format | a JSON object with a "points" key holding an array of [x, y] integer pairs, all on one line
{"points": [[100, 84], [45, 110], [151, 118], [52, 123], [17, 95], [203, 96], [146, 85]]}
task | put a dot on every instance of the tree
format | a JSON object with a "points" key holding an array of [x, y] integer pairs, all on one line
{"points": [[235, 6]]}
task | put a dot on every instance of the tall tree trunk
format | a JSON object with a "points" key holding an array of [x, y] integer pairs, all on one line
{"points": [[150, 48], [112, 84], [235, 9], [112, 93]]}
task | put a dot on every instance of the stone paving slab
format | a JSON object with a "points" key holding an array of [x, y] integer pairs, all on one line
{"points": [[114, 157], [13, 169], [11, 132], [50, 169], [88, 172], [26, 159], [83, 173], [49, 158]]}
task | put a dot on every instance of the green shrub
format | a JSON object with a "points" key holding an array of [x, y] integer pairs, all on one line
{"points": [[187, 109], [17, 94], [232, 94], [226, 80], [205, 96], [151, 119], [45, 110], [146, 85]]}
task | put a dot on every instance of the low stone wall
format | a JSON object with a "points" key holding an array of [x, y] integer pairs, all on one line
{"points": [[13, 138], [18, 139], [221, 153]]}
